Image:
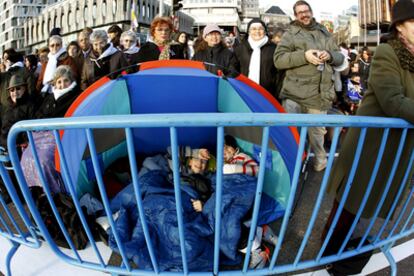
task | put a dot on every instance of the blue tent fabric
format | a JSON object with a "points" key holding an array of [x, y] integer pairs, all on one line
{"points": [[280, 136], [155, 91], [160, 210], [180, 90]]}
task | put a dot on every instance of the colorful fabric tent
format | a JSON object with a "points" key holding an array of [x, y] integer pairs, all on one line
{"points": [[180, 87]]}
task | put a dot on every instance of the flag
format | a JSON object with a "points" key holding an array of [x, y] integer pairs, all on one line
{"points": [[134, 19]]}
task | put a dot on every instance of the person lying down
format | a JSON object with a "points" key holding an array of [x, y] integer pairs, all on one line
{"points": [[197, 169]]}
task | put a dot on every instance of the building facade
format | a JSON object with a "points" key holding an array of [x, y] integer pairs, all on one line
{"points": [[250, 9], [225, 13], [74, 15], [275, 18], [13, 15], [372, 12]]}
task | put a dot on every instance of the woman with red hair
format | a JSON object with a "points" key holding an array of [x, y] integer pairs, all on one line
{"points": [[160, 45]]}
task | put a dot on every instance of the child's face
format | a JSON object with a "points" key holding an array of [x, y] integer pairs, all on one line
{"points": [[229, 152], [197, 165]]}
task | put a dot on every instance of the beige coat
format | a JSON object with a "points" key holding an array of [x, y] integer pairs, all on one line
{"points": [[390, 94]]}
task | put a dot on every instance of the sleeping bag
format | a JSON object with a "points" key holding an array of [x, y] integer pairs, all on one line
{"points": [[157, 193]]}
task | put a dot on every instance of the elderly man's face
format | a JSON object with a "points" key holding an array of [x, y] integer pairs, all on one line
{"points": [[55, 46], [98, 45], [127, 42], [84, 43], [303, 14]]}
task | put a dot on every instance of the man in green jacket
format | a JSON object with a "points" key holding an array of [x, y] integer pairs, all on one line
{"points": [[309, 55]]}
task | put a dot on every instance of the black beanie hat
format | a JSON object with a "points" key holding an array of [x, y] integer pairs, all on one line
{"points": [[230, 141], [256, 20], [401, 11], [55, 31]]}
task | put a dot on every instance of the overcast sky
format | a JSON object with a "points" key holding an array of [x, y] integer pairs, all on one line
{"points": [[333, 6]]}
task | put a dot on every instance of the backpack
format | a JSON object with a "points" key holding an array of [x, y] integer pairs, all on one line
{"points": [[69, 216]]}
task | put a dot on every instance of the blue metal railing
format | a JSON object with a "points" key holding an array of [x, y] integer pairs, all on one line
{"points": [[400, 229]]}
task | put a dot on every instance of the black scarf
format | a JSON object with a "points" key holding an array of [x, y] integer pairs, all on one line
{"points": [[405, 57], [311, 27]]}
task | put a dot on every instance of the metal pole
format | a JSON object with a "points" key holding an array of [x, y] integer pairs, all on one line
{"points": [[378, 21], [161, 7], [365, 21]]}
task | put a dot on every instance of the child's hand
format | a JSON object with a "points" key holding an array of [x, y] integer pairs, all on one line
{"points": [[203, 154], [197, 205]]}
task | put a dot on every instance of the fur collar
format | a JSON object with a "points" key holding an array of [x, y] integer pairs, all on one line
{"points": [[405, 56]]}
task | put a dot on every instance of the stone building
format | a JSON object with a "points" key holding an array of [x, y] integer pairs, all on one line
{"points": [[74, 15], [13, 14]]}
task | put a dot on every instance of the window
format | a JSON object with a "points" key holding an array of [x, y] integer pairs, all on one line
{"points": [[7, 36]]}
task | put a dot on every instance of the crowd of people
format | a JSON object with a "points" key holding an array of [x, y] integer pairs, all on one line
{"points": [[303, 68]]}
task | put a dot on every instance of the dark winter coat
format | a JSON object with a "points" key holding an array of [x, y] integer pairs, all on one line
{"points": [[219, 55], [51, 108], [132, 58], [150, 51], [63, 59], [23, 109], [268, 71], [390, 94], [94, 70], [364, 72]]}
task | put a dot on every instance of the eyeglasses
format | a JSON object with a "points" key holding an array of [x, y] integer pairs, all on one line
{"points": [[15, 89], [166, 30], [303, 12], [128, 40], [54, 45]]}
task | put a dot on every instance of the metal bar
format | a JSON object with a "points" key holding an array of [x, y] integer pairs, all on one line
{"points": [[6, 179], [320, 195], [387, 187], [20, 209], [177, 191], [138, 198], [208, 119], [12, 220], [9, 257], [295, 181], [402, 212], [49, 197], [258, 197], [368, 190], [219, 188], [5, 225], [348, 185], [409, 217], [104, 198], [397, 198], [72, 192], [386, 250]]}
